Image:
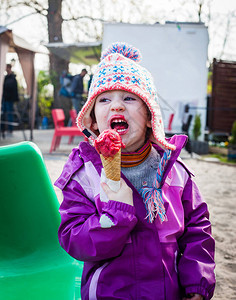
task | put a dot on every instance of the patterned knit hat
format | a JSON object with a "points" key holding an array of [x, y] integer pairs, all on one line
{"points": [[119, 70]]}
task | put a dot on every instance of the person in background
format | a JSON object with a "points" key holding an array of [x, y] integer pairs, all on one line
{"points": [[186, 122], [10, 95], [77, 90], [90, 81], [151, 239]]}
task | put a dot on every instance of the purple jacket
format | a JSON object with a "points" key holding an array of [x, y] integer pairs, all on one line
{"points": [[131, 258]]}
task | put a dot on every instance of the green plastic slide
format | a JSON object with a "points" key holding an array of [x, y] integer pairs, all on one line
{"points": [[32, 263]]}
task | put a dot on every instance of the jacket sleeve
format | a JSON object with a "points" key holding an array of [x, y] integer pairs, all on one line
{"points": [[81, 233], [196, 265]]}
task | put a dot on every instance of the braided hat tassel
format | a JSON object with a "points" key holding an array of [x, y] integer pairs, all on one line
{"points": [[153, 196]]}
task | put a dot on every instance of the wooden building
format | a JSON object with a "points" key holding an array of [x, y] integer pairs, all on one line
{"points": [[222, 103]]}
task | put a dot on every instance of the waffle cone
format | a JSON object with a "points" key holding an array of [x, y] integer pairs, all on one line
{"points": [[112, 166]]}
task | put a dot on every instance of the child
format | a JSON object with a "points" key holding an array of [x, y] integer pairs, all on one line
{"points": [[152, 238]]}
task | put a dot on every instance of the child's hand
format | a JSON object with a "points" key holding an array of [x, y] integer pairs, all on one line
{"points": [[193, 297], [125, 194]]}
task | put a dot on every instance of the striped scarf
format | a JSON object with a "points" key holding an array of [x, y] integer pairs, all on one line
{"points": [[133, 159]]}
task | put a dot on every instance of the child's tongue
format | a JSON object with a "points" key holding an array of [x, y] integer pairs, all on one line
{"points": [[119, 127]]}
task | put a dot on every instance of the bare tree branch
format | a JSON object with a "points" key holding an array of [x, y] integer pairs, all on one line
{"points": [[35, 5], [84, 17], [227, 32]]}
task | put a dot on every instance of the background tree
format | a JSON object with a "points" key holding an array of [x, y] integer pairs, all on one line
{"points": [[57, 64]]}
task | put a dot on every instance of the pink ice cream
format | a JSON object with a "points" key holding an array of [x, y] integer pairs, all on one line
{"points": [[108, 143]]}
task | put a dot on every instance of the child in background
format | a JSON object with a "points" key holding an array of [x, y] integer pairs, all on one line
{"points": [[152, 238]]}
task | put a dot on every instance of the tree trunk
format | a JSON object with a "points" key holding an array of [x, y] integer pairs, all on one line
{"points": [[57, 64]]}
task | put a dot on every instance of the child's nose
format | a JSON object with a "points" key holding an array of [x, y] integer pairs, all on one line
{"points": [[117, 106]]}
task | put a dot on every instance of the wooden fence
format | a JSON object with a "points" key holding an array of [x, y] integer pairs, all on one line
{"points": [[222, 103]]}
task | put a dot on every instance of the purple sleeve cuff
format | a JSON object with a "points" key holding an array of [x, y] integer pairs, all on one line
{"points": [[197, 289], [112, 205], [121, 214], [121, 206]]}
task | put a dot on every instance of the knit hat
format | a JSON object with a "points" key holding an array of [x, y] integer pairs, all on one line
{"points": [[119, 70]]}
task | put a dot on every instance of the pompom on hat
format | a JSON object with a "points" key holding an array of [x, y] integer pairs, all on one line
{"points": [[119, 70]]}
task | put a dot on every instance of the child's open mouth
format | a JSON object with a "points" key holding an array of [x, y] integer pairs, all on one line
{"points": [[119, 124]]}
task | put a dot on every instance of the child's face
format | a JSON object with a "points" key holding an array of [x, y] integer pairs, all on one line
{"points": [[126, 113]]}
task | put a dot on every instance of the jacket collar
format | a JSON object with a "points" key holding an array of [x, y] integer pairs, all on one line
{"points": [[179, 141], [88, 153], [83, 153]]}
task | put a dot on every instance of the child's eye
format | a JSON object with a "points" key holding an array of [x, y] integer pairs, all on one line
{"points": [[128, 98], [103, 100]]}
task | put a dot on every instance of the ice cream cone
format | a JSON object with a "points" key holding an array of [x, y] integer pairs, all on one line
{"points": [[112, 166]]}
